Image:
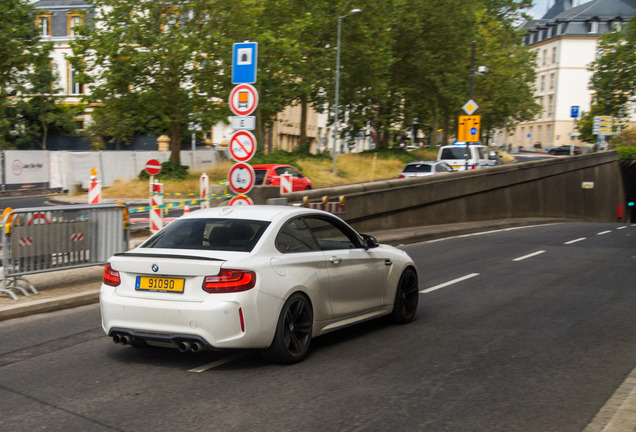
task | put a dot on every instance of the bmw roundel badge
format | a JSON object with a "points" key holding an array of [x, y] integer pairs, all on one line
{"points": [[155, 268]]}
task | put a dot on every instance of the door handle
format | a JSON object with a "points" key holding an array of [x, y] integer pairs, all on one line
{"points": [[388, 262], [335, 260]]}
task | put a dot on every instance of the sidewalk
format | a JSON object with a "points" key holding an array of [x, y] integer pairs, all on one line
{"points": [[65, 289]]}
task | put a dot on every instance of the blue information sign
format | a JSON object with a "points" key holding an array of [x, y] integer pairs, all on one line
{"points": [[244, 56], [574, 111]]}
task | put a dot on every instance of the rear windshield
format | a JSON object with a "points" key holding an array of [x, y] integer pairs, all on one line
{"points": [[453, 153], [259, 176], [425, 168], [209, 234]]}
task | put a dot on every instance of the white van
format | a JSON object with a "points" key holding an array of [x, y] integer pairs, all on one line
{"points": [[455, 156]]}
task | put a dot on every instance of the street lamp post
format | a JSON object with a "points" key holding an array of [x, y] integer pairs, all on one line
{"points": [[335, 116]]}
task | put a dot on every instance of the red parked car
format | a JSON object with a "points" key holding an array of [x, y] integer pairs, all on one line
{"points": [[269, 175]]}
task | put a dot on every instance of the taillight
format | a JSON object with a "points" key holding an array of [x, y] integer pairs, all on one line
{"points": [[111, 277], [474, 166], [229, 281], [401, 176]]}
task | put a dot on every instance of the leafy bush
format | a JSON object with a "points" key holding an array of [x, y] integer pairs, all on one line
{"points": [[626, 153], [170, 170]]}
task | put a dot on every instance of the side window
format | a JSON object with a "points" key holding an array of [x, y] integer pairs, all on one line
{"points": [[331, 236], [281, 170], [295, 237]]}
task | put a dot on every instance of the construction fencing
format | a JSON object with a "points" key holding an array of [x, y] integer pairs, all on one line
{"points": [[43, 239]]}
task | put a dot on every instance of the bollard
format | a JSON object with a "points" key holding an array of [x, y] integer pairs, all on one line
{"points": [[156, 215], [204, 190], [95, 189]]}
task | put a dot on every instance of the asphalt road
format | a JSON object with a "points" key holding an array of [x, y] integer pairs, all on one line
{"points": [[527, 329]]}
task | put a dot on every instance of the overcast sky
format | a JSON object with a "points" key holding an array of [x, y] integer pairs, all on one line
{"points": [[541, 7]]}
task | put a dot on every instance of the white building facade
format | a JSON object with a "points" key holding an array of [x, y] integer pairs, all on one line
{"points": [[565, 41]]}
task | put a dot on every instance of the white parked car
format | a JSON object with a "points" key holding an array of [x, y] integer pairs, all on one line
{"points": [[265, 277]]}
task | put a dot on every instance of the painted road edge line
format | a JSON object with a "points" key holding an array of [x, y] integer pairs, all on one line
{"points": [[604, 232], [445, 284], [577, 240], [529, 255]]}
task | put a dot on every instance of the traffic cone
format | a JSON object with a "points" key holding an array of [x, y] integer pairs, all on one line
{"points": [[186, 209]]}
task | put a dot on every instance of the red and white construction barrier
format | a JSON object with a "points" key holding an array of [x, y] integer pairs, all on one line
{"points": [[204, 190], [285, 184], [95, 189], [156, 215]]}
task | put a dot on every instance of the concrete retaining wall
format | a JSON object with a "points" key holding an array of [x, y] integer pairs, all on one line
{"points": [[545, 188]]}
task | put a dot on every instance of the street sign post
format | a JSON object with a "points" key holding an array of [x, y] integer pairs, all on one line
{"points": [[243, 122], [153, 167], [240, 200], [470, 107], [242, 146], [468, 128], [243, 99], [244, 59], [241, 178]]}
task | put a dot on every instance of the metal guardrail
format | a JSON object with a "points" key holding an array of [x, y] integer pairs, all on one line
{"points": [[42, 239]]}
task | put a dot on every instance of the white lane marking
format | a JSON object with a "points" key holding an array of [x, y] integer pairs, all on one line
{"points": [[491, 232], [218, 362], [529, 255], [622, 227], [577, 240], [445, 284], [603, 232]]}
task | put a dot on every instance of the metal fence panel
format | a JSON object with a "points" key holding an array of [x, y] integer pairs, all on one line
{"points": [[43, 239]]}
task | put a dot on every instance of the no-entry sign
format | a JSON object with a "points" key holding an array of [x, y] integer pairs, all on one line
{"points": [[243, 99], [242, 146], [153, 167], [241, 178]]}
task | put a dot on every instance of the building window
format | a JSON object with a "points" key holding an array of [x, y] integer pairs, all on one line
{"points": [[43, 21], [540, 102], [545, 57], [542, 87], [548, 130], [561, 28], [593, 27], [554, 55], [73, 19], [552, 77], [550, 106], [617, 26], [74, 87], [79, 123]]}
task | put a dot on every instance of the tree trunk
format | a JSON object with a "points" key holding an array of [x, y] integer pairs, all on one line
{"points": [[304, 142], [175, 143], [45, 132]]}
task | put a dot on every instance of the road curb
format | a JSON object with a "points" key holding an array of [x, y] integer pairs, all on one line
{"points": [[49, 305]]}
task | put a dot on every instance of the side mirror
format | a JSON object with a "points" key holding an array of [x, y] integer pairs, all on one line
{"points": [[370, 242]]}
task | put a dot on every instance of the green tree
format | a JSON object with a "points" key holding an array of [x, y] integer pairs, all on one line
{"points": [[28, 108], [155, 67], [614, 73]]}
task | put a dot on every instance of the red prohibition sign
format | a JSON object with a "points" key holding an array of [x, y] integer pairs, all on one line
{"points": [[241, 178], [243, 99], [240, 200], [242, 146], [153, 167]]}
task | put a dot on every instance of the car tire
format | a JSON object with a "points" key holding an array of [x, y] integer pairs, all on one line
{"points": [[406, 297], [293, 331]]}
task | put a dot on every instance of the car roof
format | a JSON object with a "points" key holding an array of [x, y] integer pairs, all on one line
{"points": [[269, 166], [252, 212]]}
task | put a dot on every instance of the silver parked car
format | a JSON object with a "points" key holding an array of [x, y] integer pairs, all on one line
{"points": [[424, 168]]}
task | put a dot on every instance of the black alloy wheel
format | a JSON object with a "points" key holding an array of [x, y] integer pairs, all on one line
{"points": [[293, 331], [407, 297]]}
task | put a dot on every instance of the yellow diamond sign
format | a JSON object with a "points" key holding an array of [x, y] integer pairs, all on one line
{"points": [[470, 107]]}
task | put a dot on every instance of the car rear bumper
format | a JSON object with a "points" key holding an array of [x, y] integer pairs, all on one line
{"points": [[238, 323]]}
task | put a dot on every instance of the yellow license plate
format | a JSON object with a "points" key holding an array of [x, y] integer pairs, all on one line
{"points": [[145, 283]]}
